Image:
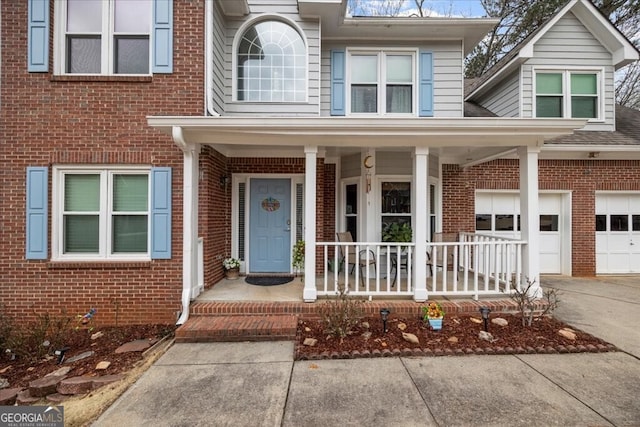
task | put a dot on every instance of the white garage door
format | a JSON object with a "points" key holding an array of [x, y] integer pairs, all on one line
{"points": [[617, 233], [499, 214]]}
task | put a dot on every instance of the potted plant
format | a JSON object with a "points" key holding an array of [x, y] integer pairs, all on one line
{"points": [[297, 261], [397, 232], [433, 313], [231, 267]]}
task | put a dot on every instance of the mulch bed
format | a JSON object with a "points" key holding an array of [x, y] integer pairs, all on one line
{"points": [[458, 336]]}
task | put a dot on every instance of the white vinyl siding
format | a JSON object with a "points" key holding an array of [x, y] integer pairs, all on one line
{"points": [[448, 80], [504, 99], [569, 46]]}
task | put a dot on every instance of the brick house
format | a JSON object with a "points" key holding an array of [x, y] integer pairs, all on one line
{"points": [[145, 142]]}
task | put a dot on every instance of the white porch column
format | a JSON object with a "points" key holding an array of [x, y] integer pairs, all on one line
{"points": [[420, 220], [529, 215], [191, 154], [310, 293]]}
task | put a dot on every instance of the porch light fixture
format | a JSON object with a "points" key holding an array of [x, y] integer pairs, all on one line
{"points": [[484, 311], [384, 314], [594, 154], [224, 180]]}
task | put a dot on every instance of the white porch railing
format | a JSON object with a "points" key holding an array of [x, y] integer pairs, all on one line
{"points": [[474, 265]]}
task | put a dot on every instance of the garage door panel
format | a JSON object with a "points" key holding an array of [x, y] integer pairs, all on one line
{"points": [[616, 248]]}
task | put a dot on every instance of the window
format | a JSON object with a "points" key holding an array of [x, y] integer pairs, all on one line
{"points": [[272, 64], [351, 210], [567, 94], [103, 214], [105, 37], [396, 203], [382, 82]]}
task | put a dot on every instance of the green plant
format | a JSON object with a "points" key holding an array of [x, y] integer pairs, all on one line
{"points": [[298, 256], [342, 315], [396, 232], [38, 338], [527, 301], [432, 311]]}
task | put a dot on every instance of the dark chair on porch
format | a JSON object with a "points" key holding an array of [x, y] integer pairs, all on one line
{"points": [[363, 259]]}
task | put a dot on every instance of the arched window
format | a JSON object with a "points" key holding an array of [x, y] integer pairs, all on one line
{"points": [[272, 64]]}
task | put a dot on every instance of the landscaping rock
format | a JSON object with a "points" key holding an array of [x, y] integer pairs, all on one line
{"points": [[137, 345], [80, 356], [365, 325], [57, 398], [60, 372], [75, 385], [8, 396], [475, 320], [402, 326], [453, 340], [102, 365], [106, 379], [4, 383], [97, 335], [25, 398], [310, 342], [44, 386], [499, 321], [567, 333], [486, 336], [410, 338], [366, 335]]}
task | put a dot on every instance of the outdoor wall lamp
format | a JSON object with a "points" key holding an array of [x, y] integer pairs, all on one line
{"points": [[484, 311], [384, 314], [224, 180]]}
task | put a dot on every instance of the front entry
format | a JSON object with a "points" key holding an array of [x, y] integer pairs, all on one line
{"points": [[270, 226]]}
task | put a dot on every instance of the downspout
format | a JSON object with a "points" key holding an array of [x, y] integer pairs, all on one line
{"points": [[187, 276]]}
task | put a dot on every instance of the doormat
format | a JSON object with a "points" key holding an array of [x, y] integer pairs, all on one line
{"points": [[268, 280]]}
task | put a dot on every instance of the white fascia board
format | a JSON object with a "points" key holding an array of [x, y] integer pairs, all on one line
{"points": [[235, 8], [591, 148]]}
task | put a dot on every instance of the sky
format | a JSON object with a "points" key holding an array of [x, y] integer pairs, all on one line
{"points": [[464, 8]]}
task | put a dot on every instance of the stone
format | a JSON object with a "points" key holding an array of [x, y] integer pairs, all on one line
{"points": [[4, 383], [310, 342], [475, 320], [402, 326], [57, 398], [366, 325], [102, 365], [486, 336], [80, 356], [366, 335], [97, 335], [499, 321], [25, 398], [5, 369], [60, 372], [8, 396], [410, 338], [307, 329], [44, 386], [75, 385], [105, 379], [567, 333], [453, 340], [137, 345]]}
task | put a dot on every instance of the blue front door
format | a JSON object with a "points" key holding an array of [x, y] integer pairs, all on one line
{"points": [[270, 230]]}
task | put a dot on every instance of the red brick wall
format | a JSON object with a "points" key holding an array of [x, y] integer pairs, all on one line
{"points": [[49, 121], [582, 177]]}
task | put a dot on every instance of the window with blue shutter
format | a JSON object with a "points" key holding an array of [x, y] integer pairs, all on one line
{"points": [[38, 36], [338, 85], [37, 200], [425, 95], [161, 213], [162, 36]]}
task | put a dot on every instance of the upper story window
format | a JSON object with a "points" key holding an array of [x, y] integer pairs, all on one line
{"points": [[105, 37], [382, 82], [569, 94], [272, 64]]}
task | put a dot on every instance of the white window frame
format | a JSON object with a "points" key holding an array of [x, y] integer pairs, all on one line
{"points": [[105, 213], [107, 59], [381, 54], [566, 89]]}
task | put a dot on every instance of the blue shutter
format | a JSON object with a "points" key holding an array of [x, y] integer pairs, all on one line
{"points": [[37, 218], [162, 36], [38, 36], [161, 213], [337, 83], [425, 97]]}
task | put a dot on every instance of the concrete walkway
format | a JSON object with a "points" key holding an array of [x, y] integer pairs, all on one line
{"points": [[259, 384]]}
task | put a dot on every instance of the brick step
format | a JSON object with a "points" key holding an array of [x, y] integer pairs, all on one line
{"points": [[238, 328]]}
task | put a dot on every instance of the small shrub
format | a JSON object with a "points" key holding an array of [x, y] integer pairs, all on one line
{"points": [[342, 315], [36, 339], [526, 301], [298, 256]]}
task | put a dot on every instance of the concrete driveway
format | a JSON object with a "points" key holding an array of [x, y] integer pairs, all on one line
{"points": [[259, 384]]}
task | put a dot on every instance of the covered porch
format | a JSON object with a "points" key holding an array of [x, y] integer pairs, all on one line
{"points": [[478, 268]]}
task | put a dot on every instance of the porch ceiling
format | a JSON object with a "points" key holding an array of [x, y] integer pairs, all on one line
{"points": [[458, 135]]}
